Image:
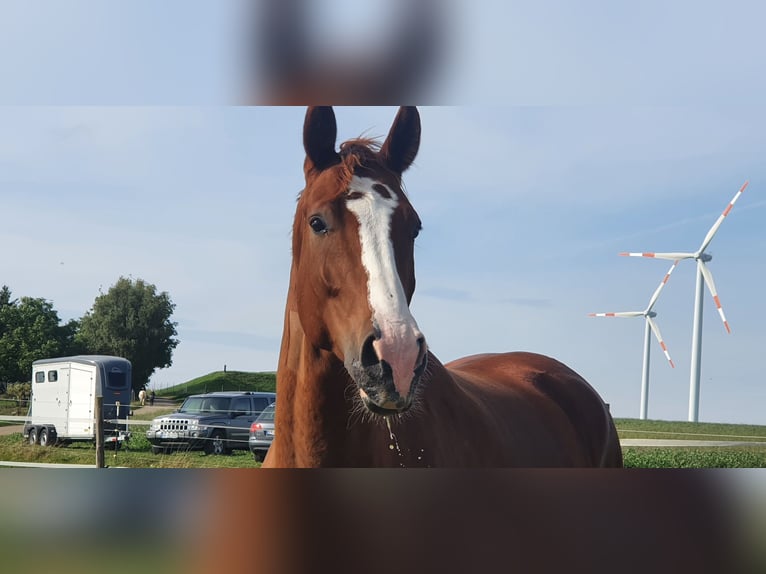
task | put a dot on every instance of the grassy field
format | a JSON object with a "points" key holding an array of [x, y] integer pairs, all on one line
{"points": [[689, 457], [137, 453], [10, 407], [634, 428], [693, 457]]}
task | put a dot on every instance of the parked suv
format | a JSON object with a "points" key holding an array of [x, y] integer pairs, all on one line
{"points": [[213, 422]]}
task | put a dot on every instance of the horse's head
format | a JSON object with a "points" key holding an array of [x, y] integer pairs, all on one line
{"points": [[353, 263]]}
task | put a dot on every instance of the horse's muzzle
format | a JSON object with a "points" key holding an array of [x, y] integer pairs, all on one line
{"points": [[375, 381]]}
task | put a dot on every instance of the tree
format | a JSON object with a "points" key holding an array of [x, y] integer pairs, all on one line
{"points": [[5, 296], [133, 321], [30, 329]]}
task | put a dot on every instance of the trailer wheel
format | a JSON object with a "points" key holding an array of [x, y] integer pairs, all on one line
{"points": [[33, 437], [45, 437]]}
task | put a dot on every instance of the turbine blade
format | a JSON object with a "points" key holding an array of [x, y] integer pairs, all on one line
{"points": [[719, 221], [708, 276], [620, 314], [656, 294], [660, 255], [656, 331]]}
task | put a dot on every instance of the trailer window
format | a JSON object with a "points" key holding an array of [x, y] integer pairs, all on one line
{"points": [[53, 376], [40, 377], [116, 380]]}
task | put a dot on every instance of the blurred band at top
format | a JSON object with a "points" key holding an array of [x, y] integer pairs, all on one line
{"points": [[342, 52]]}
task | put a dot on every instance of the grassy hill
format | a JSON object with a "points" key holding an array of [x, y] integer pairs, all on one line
{"points": [[222, 381]]}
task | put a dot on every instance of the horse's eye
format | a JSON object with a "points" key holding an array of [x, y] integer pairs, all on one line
{"points": [[317, 224], [417, 231]]}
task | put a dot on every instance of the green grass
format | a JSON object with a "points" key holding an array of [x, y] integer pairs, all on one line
{"points": [[135, 454], [686, 457], [223, 381], [692, 457], [635, 428], [11, 407]]}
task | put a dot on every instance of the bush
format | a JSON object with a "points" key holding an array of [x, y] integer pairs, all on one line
{"points": [[19, 391]]}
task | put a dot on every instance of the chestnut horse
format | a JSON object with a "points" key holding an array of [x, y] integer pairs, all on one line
{"points": [[356, 382]]}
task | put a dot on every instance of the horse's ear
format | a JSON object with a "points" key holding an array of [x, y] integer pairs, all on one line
{"points": [[401, 145], [319, 133]]}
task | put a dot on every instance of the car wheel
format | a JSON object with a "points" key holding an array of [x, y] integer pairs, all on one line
{"points": [[45, 437], [33, 437], [216, 444], [158, 449], [259, 456]]}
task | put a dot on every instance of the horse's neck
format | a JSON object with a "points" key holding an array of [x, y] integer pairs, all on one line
{"points": [[313, 411], [315, 422]]}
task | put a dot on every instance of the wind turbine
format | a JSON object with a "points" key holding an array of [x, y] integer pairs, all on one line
{"points": [[703, 274], [649, 327]]}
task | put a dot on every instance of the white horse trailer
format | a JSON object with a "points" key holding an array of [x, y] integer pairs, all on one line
{"points": [[63, 402]]}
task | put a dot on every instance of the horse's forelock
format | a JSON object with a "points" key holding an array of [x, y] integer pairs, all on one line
{"points": [[359, 152], [354, 154]]}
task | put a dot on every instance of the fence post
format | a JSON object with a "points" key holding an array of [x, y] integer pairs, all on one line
{"points": [[99, 432]]}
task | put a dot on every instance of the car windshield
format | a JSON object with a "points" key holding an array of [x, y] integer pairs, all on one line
{"points": [[197, 405], [215, 405], [191, 405], [268, 414]]}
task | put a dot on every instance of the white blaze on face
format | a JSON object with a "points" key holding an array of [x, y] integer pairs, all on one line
{"points": [[399, 333]]}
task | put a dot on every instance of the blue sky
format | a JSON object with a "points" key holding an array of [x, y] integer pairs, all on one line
{"points": [[582, 135]]}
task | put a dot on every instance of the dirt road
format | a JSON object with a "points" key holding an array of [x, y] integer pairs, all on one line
{"points": [[10, 429]]}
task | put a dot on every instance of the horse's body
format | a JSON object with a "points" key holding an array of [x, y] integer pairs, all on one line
{"points": [[142, 396], [357, 384]]}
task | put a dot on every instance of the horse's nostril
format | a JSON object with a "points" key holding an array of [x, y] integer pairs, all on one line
{"points": [[369, 356]]}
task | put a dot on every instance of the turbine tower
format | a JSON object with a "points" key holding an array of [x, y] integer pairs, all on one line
{"points": [[649, 327], [703, 275]]}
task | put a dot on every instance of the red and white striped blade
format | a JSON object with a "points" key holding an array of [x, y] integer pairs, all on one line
{"points": [[708, 276], [620, 314], [656, 294], [719, 221], [656, 331], [673, 256]]}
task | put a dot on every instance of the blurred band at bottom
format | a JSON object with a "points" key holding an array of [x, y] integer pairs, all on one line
{"points": [[476, 521], [297, 521]]}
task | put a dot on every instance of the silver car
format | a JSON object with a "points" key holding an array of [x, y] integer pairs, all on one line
{"points": [[262, 433]]}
